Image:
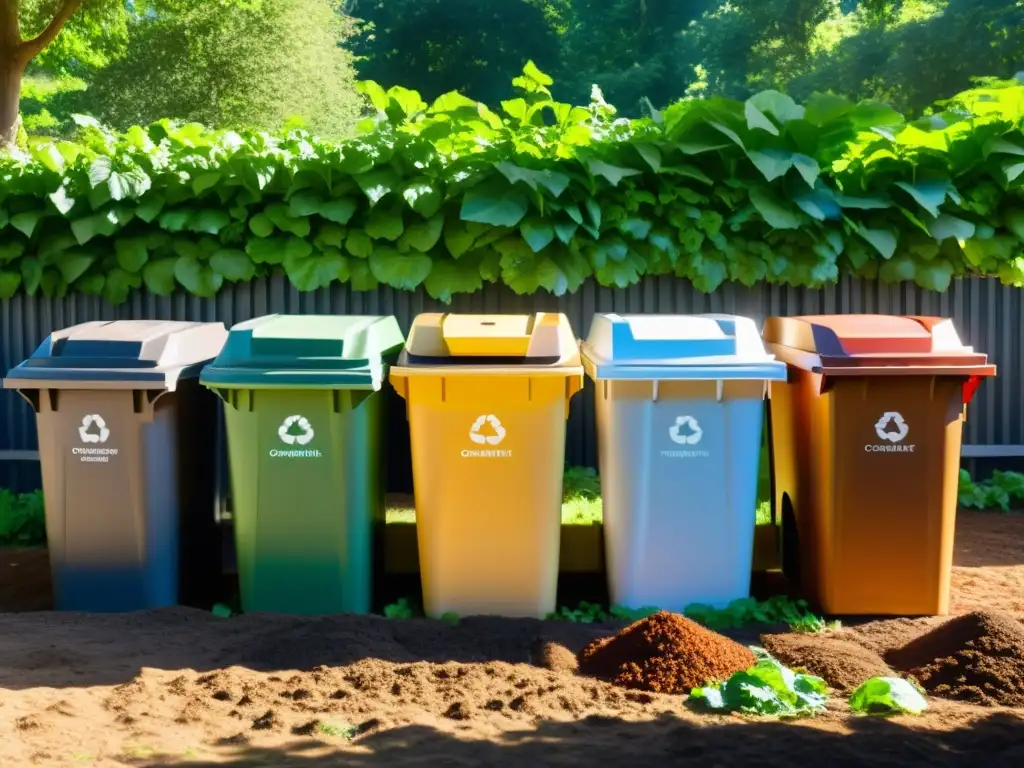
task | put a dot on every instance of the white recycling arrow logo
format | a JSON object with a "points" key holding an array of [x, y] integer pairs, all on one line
{"points": [[90, 421], [893, 434], [303, 430], [686, 431], [479, 439]]}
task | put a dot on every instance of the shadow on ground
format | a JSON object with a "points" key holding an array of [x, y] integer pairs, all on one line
{"points": [[995, 742]]}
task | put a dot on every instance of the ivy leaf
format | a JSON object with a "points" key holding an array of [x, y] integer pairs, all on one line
{"points": [[499, 205], [772, 163], [204, 181], [118, 284], [775, 214], [10, 251], [422, 235], [448, 277], [945, 226], [934, 276], [85, 229], [1015, 223], [129, 184], [329, 236], [566, 230], [362, 278], [209, 222], [928, 194], [270, 250], [457, 238], [74, 264], [132, 254], [233, 265], [174, 221], [26, 222], [196, 277], [9, 284], [635, 227], [99, 171], [405, 272], [422, 196], [384, 224], [537, 233], [158, 276], [61, 201], [31, 274], [757, 119], [339, 211], [304, 203], [650, 154], [376, 185], [261, 226], [359, 244], [318, 271], [883, 240], [613, 173], [278, 214], [808, 168], [150, 208]]}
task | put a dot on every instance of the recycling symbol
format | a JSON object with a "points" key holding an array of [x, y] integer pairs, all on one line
{"points": [[295, 429], [479, 439], [686, 431], [891, 427], [93, 437]]}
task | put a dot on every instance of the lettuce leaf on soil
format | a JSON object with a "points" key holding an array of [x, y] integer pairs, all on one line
{"points": [[887, 696], [767, 688]]}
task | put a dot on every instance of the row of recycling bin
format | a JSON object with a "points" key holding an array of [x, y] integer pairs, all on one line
{"points": [[865, 418]]}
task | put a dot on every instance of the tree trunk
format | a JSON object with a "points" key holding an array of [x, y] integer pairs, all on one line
{"points": [[11, 72]]}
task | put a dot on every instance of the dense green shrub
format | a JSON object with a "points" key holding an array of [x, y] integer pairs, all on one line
{"points": [[538, 195]]}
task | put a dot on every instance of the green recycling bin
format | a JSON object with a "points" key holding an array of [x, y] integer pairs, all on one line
{"points": [[304, 416]]}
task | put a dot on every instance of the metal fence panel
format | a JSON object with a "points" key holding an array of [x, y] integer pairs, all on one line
{"points": [[987, 314]]}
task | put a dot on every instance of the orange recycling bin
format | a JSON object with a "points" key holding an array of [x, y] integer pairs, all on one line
{"points": [[487, 398], [865, 440]]}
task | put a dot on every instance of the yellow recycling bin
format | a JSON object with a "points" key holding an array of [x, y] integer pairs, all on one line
{"points": [[487, 398]]}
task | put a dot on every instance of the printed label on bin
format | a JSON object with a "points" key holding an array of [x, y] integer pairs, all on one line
{"points": [[94, 433], [487, 430], [686, 430], [892, 429], [295, 431]]}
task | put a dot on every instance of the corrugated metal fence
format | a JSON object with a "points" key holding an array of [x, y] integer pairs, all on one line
{"points": [[988, 315]]}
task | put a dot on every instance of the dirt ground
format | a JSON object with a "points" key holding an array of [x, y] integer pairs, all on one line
{"points": [[183, 687]]}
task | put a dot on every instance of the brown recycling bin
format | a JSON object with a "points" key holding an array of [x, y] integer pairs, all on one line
{"points": [[865, 439], [126, 444]]}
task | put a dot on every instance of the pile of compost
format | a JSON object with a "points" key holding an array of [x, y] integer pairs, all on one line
{"points": [[664, 653], [977, 657]]}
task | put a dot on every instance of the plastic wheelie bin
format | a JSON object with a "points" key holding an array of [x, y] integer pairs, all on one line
{"points": [[127, 462], [680, 412], [865, 439], [304, 418], [487, 399]]}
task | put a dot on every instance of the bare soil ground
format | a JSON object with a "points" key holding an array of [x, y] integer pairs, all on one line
{"points": [[183, 687]]}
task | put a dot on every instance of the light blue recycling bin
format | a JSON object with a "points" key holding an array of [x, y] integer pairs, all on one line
{"points": [[680, 407]]}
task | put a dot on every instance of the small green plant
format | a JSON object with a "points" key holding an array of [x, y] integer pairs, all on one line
{"points": [[450, 618], [22, 519], [337, 730], [403, 608], [888, 696], [767, 688], [1002, 491], [222, 611]]}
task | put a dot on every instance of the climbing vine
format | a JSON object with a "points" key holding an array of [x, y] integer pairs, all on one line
{"points": [[534, 194]]}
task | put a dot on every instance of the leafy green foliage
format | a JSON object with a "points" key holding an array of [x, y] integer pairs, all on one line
{"points": [[739, 613], [888, 696], [540, 195], [1003, 491], [22, 519], [403, 608], [767, 688]]}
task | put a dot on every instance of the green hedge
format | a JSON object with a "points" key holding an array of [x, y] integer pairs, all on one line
{"points": [[538, 195]]}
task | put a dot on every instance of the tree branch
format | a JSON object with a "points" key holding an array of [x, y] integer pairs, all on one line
{"points": [[31, 48]]}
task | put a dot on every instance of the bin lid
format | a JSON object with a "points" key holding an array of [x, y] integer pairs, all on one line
{"points": [[697, 347], [468, 343], [306, 351], [120, 354], [876, 344]]}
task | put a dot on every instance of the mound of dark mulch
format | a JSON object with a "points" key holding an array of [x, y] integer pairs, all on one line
{"points": [[978, 658], [664, 653], [840, 663]]}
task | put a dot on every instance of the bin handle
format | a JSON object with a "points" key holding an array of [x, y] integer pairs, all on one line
{"points": [[970, 387]]}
